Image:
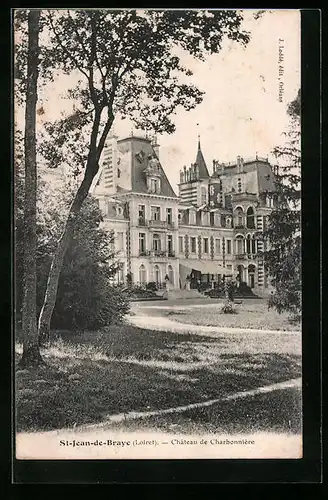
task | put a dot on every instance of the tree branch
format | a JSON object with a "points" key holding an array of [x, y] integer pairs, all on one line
{"points": [[67, 52], [78, 36]]}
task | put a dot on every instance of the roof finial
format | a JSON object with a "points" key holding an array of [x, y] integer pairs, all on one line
{"points": [[198, 136]]}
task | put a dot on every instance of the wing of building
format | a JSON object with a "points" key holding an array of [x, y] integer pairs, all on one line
{"points": [[211, 229]]}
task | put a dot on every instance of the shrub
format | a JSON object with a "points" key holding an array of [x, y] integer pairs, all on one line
{"points": [[152, 285], [228, 308], [214, 293], [141, 292], [100, 305]]}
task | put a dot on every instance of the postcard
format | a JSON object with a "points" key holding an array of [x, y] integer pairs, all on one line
{"points": [[158, 234]]}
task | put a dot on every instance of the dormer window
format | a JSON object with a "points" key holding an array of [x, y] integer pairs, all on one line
{"points": [[203, 196], [119, 211], [153, 175], [154, 185]]}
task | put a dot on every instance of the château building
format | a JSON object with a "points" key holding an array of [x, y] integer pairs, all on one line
{"points": [[211, 229]]}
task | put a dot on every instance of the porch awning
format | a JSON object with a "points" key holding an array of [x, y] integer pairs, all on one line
{"points": [[205, 267]]}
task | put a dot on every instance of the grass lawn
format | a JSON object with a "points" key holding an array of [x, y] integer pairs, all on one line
{"points": [[279, 411], [122, 368], [248, 315]]}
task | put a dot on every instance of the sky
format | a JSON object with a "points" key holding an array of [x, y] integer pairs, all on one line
{"points": [[241, 113]]}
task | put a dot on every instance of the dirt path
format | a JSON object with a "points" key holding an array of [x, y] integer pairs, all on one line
{"points": [[142, 319]]}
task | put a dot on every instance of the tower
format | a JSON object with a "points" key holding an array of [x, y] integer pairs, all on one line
{"points": [[194, 180]]}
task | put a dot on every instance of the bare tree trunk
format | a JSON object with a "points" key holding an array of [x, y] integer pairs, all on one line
{"points": [[49, 301], [31, 353]]}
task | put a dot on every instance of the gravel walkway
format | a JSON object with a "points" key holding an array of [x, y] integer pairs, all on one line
{"points": [[162, 323]]}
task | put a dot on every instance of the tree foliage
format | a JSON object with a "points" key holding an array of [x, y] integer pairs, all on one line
{"points": [[87, 297], [126, 65], [283, 254]]}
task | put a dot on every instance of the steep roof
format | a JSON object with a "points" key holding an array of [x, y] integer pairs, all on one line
{"points": [[141, 150], [203, 172], [266, 178]]}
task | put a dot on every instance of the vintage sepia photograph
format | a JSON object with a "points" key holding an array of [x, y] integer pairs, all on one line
{"points": [[157, 234]]}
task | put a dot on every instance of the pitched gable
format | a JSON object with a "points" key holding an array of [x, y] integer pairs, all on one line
{"points": [[141, 151]]}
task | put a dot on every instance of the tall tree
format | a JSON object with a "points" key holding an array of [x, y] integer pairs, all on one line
{"points": [[128, 65], [283, 254], [31, 353]]}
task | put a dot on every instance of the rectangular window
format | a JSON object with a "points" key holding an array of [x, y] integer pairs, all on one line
{"points": [[119, 241], [205, 245], [142, 243], [155, 213], [141, 211], [154, 185], [212, 219], [205, 219], [156, 243], [170, 243], [169, 215], [181, 244], [192, 217], [217, 246], [228, 246], [193, 245]]}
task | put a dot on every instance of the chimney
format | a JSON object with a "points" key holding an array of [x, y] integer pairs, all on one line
{"points": [[240, 164], [155, 146]]}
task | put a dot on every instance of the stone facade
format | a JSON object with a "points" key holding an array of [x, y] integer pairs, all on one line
{"points": [[212, 228]]}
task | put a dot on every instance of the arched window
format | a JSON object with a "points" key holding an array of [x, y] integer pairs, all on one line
{"points": [[240, 273], [156, 242], [157, 274], [251, 275], [248, 243], [203, 196], [239, 245], [171, 274], [142, 274], [250, 218], [253, 245], [239, 214]]}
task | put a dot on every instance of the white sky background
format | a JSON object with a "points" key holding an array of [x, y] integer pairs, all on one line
{"points": [[240, 113]]}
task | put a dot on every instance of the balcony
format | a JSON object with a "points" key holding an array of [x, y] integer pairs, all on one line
{"points": [[158, 224], [141, 221], [162, 254]]}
